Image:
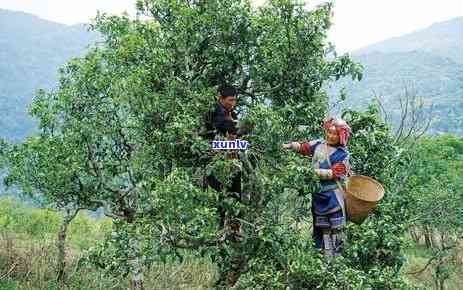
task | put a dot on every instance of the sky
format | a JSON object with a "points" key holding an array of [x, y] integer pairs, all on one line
{"points": [[357, 23]]}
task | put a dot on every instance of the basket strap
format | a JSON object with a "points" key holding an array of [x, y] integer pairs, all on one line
{"points": [[329, 163], [337, 182]]}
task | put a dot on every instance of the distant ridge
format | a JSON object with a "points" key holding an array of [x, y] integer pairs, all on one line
{"points": [[442, 38], [32, 51], [429, 62]]}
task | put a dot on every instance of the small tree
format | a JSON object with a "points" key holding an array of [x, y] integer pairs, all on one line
{"points": [[129, 114], [436, 186], [45, 169]]}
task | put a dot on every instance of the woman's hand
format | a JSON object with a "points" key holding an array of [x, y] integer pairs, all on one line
{"points": [[291, 145], [286, 146]]}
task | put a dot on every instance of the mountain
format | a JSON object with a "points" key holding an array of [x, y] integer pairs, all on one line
{"points": [[443, 38], [32, 50], [427, 63]]}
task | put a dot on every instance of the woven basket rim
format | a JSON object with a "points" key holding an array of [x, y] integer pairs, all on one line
{"points": [[381, 187]]}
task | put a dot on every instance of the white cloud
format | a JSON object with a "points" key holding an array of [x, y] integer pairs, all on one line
{"points": [[356, 22], [361, 22], [69, 11]]}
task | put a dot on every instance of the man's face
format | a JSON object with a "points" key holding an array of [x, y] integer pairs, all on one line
{"points": [[229, 102], [331, 135]]}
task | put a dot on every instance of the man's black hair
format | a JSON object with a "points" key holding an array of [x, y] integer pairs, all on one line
{"points": [[227, 91]]}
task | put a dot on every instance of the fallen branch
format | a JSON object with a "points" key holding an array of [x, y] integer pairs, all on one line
{"points": [[438, 255], [9, 271]]}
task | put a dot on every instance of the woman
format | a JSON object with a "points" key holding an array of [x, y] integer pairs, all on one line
{"points": [[330, 162]]}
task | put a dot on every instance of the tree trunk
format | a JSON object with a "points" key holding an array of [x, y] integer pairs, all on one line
{"points": [[427, 237], [69, 215], [440, 278], [415, 236], [434, 243], [138, 280], [442, 240]]}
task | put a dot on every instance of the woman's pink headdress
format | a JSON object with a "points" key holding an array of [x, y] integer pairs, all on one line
{"points": [[341, 127]]}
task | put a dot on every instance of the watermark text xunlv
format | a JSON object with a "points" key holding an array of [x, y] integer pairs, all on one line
{"points": [[229, 144]]}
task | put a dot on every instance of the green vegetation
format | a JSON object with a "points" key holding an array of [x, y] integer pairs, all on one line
{"points": [[426, 63], [392, 76], [31, 225], [28, 254], [32, 50], [121, 133], [438, 210]]}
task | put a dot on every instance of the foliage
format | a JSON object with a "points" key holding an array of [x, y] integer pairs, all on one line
{"points": [[28, 252], [122, 132], [437, 187], [438, 180], [43, 224], [374, 252]]}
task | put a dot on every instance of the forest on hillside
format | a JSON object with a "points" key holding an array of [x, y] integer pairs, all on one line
{"points": [[32, 51], [123, 133], [426, 63]]}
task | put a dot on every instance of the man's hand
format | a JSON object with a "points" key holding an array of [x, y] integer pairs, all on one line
{"points": [[231, 136]]}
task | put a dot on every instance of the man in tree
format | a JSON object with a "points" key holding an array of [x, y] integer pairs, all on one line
{"points": [[222, 123], [330, 161], [222, 120]]}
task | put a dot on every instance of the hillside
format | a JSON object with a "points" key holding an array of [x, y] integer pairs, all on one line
{"points": [[444, 39], [428, 63], [32, 51]]}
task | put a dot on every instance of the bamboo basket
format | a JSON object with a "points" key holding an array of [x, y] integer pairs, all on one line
{"points": [[361, 197]]}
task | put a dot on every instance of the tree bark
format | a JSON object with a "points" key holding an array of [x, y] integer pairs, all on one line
{"points": [[434, 243], [427, 237], [440, 280], [135, 264], [415, 236], [69, 215], [442, 240]]}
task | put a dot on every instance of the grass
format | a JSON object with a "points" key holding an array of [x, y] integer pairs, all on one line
{"points": [[31, 266], [28, 257], [417, 259]]}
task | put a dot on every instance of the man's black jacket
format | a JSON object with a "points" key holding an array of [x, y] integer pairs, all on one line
{"points": [[218, 123]]}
